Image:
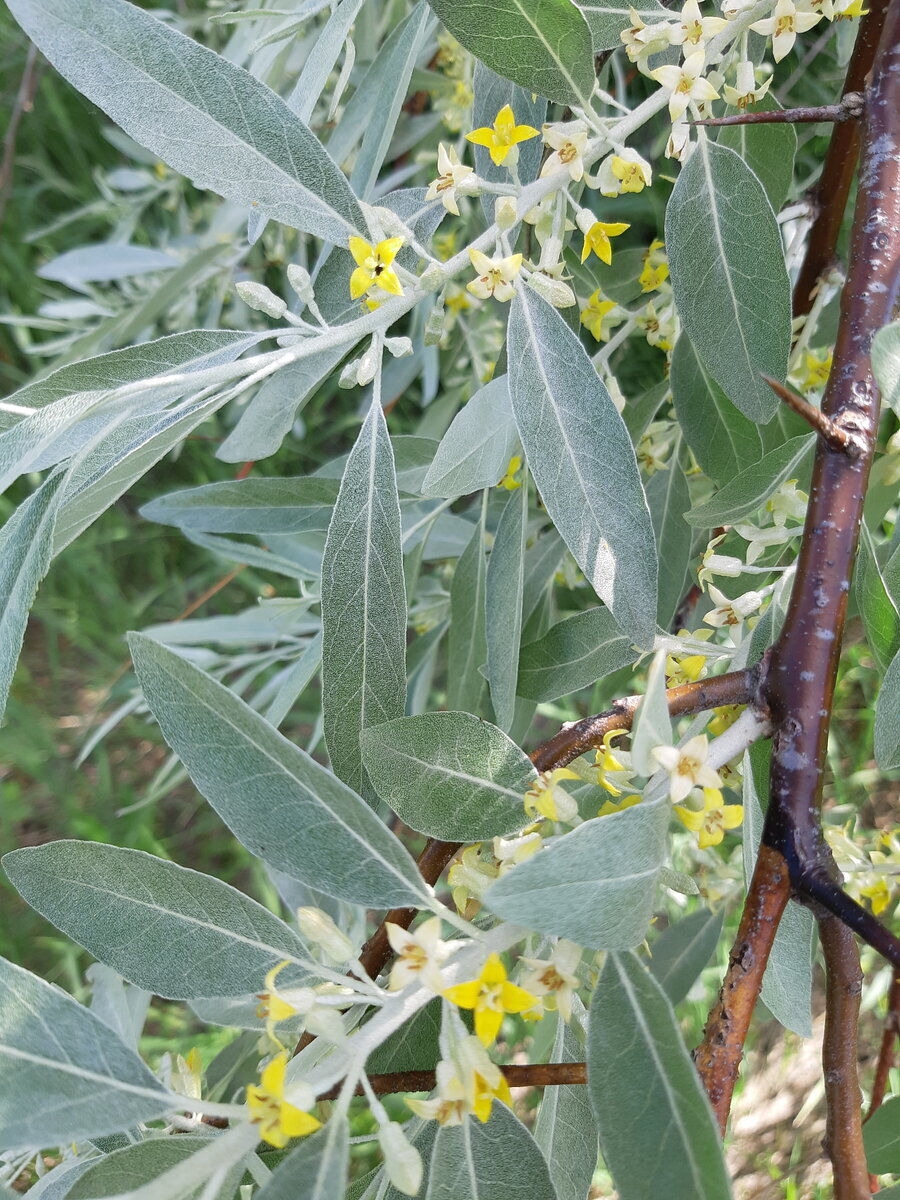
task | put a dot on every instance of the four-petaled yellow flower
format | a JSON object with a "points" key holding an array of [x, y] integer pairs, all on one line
{"points": [[600, 315], [684, 669], [495, 275], [625, 172], [547, 798], [490, 995], [878, 894], [466, 1084], [607, 763], [713, 819], [374, 269], [509, 480], [503, 136], [655, 270], [272, 1008], [597, 235], [724, 717], [278, 1120]]}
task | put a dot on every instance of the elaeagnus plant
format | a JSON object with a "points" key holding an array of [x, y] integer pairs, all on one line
{"points": [[622, 403]]}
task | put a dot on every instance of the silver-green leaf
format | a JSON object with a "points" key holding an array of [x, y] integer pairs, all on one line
{"points": [[275, 798], [495, 1161], [475, 451], [504, 587], [50, 1046], [573, 654], [728, 275], [658, 1138], [449, 775], [363, 603], [583, 462]]}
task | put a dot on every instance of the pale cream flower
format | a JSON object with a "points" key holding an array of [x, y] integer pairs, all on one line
{"points": [[784, 25], [453, 176], [555, 979], [687, 767], [625, 171], [745, 91], [693, 29], [495, 275], [568, 142], [685, 83], [420, 953]]}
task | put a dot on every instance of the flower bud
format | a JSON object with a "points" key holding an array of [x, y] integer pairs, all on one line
{"points": [[434, 326], [557, 293], [505, 212], [258, 296], [399, 347], [299, 279], [316, 925], [402, 1161], [432, 278]]}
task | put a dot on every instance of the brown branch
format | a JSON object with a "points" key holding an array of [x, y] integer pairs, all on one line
{"points": [[835, 437], [23, 104], [718, 1057], [843, 1128], [886, 1052], [528, 1075], [849, 109], [829, 198]]}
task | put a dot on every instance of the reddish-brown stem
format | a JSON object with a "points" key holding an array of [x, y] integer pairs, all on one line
{"points": [[886, 1052], [718, 1057], [849, 109], [829, 199], [737, 687], [529, 1075], [843, 1128], [836, 437], [23, 104]]}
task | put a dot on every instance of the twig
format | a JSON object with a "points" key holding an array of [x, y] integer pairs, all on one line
{"points": [[843, 1128], [886, 1052], [718, 1057], [829, 199], [850, 109], [836, 437], [529, 1075], [23, 104]]}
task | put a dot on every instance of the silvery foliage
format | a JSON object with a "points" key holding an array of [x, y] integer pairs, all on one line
{"points": [[408, 580]]}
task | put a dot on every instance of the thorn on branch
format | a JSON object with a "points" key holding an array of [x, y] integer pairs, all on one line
{"points": [[851, 108], [832, 433]]}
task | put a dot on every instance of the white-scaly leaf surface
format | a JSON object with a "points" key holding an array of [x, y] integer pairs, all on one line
{"points": [[176, 932], [583, 462], [363, 603], [276, 799], [50, 1046], [729, 277], [205, 117]]}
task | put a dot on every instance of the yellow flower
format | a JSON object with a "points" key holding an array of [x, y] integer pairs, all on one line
{"points": [[684, 670], [470, 877], [509, 480], [495, 275], [713, 819], [503, 136], [272, 1008], [879, 894], [817, 368], [600, 315], [854, 9], [374, 266], [278, 1120], [466, 1084], [490, 995], [607, 763], [724, 718], [613, 806], [656, 268], [546, 797], [625, 172], [597, 235]]}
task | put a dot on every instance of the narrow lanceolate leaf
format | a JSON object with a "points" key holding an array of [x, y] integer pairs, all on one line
{"points": [[177, 933], [583, 462], [573, 654], [503, 606], [270, 793], [543, 45], [877, 608], [683, 950], [886, 363], [495, 1161], [607, 18], [363, 603], [652, 725], [723, 441], [565, 1129], [475, 451], [887, 719], [52, 1046], [316, 1170], [26, 547], [744, 493], [449, 775], [257, 505], [596, 885], [728, 275], [136, 1165], [199, 113], [467, 641], [669, 499], [659, 1138]]}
